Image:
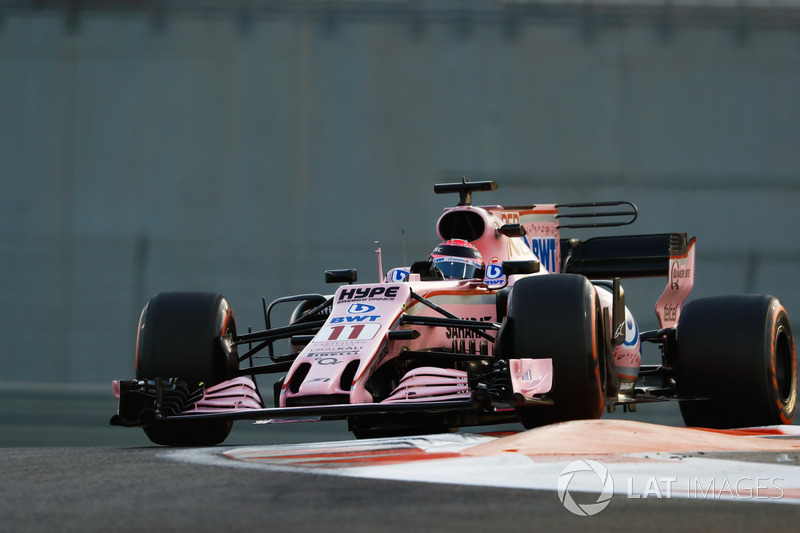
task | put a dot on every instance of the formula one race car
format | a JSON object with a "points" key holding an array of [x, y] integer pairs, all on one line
{"points": [[504, 321]]}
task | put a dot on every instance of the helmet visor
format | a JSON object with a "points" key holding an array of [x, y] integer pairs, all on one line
{"points": [[458, 268]]}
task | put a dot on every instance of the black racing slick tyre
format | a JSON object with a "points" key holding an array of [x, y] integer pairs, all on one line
{"points": [[737, 354], [179, 337], [559, 316]]}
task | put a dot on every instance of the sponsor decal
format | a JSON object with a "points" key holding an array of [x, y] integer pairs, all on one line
{"points": [[494, 273], [545, 250], [368, 293], [678, 273], [620, 331], [333, 353], [545, 247], [631, 332], [327, 358], [328, 361], [459, 260], [627, 358], [323, 345], [670, 311], [357, 318], [465, 333], [398, 275], [356, 309]]}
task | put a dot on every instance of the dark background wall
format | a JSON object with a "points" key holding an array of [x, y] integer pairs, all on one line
{"points": [[244, 147]]}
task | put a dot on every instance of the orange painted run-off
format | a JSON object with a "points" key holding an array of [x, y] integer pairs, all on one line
{"points": [[621, 436], [748, 432], [337, 459], [599, 438]]}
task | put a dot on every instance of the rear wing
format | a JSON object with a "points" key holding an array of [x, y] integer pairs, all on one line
{"points": [[627, 256], [664, 254], [543, 222]]}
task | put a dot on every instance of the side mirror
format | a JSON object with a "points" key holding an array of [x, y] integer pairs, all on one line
{"points": [[528, 266], [349, 275], [512, 230]]}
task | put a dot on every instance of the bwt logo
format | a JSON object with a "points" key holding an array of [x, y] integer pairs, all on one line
{"points": [[494, 274], [358, 318], [545, 250], [356, 309], [398, 275]]}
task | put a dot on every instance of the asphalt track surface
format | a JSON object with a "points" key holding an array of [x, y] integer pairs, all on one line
{"points": [[136, 489], [142, 487]]}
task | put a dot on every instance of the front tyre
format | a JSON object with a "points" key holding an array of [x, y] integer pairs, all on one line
{"points": [[179, 337], [738, 353], [559, 316]]}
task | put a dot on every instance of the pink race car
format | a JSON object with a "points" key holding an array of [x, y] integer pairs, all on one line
{"points": [[504, 321]]}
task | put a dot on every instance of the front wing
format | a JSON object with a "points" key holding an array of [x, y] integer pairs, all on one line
{"points": [[148, 402]]}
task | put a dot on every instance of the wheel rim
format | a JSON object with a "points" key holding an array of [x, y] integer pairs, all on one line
{"points": [[784, 366], [601, 349]]}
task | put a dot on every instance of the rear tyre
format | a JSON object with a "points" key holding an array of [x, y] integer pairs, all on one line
{"points": [[179, 337], [559, 316], [737, 351]]}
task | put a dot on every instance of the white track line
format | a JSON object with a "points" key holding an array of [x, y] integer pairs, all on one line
{"points": [[635, 476]]}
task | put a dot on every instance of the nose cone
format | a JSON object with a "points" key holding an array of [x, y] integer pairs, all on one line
{"points": [[323, 383], [328, 380]]}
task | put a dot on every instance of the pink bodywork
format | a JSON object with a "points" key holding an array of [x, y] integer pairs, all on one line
{"points": [[679, 285], [356, 332]]}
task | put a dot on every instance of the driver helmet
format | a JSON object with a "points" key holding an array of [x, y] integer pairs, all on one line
{"points": [[458, 259]]}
